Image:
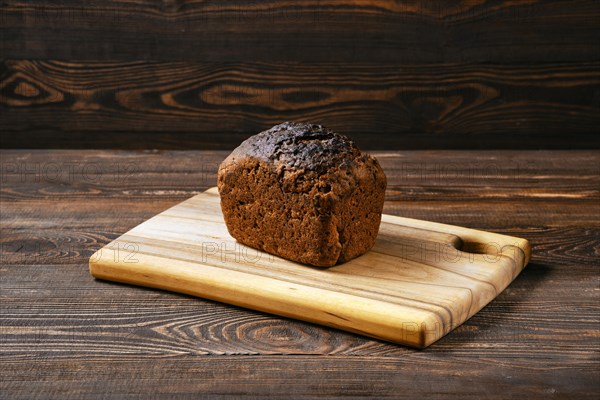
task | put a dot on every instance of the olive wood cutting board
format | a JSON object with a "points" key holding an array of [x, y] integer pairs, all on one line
{"points": [[421, 279]]}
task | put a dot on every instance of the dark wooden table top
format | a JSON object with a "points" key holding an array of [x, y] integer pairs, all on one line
{"points": [[65, 335]]}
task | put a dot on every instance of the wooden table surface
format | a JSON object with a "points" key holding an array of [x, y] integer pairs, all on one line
{"points": [[65, 335]]}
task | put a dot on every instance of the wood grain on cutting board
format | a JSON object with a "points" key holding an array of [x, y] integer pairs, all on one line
{"points": [[420, 281]]}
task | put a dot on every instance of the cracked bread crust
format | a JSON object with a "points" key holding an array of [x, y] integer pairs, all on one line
{"points": [[304, 193]]}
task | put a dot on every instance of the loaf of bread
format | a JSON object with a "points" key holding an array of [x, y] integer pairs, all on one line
{"points": [[304, 193]]}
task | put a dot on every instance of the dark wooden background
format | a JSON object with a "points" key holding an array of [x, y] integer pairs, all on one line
{"points": [[391, 74]]}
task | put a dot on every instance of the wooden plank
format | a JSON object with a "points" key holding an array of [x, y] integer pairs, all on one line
{"points": [[305, 376], [216, 105], [417, 31], [451, 187]]}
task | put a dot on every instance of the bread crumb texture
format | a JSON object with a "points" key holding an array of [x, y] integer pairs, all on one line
{"points": [[304, 193]]}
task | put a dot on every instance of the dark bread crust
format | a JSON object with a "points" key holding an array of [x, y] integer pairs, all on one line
{"points": [[304, 193]]}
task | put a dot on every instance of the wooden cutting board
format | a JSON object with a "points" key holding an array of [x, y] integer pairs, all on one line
{"points": [[420, 281]]}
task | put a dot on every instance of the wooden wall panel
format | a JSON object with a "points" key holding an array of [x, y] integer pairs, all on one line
{"points": [[161, 103], [405, 32], [206, 74]]}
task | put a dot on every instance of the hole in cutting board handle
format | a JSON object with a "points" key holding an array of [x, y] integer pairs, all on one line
{"points": [[478, 248], [473, 247]]}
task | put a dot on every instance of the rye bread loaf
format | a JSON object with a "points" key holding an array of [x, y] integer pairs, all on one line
{"points": [[304, 193]]}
